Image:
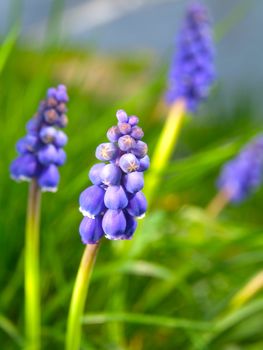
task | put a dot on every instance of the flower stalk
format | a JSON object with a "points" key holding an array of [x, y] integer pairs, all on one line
{"points": [[218, 203], [79, 296], [165, 146], [32, 288]]}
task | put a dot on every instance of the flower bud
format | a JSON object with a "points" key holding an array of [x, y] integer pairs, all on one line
{"points": [[48, 154], [125, 128], [47, 134], [110, 175], [51, 116], [129, 163], [133, 120], [106, 151], [115, 198], [61, 157], [25, 167], [144, 163], [140, 149], [114, 224], [91, 230], [61, 139], [91, 201], [126, 143], [62, 121], [137, 133], [113, 134], [94, 173], [122, 116], [133, 182], [137, 205], [131, 225], [33, 125], [49, 178]]}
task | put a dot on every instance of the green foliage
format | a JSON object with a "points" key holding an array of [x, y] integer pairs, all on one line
{"points": [[181, 270]]}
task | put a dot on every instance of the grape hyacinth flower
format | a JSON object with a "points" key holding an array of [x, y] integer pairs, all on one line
{"points": [[111, 205], [192, 71], [40, 154], [244, 174], [191, 75], [41, 150]]}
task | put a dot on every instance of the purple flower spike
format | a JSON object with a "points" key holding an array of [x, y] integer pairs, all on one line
{"points": [[91, 230], [110, 175], [137, 205], [133, 182], [192, 71], [91, 201], [129, 163], [107, 151], [114, 224], [49, 179], [243, 175], [115, 197], [42, 146], [94, 173]]}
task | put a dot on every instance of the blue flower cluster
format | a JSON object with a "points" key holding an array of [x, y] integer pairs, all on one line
{"points": [[192, 71], [111, 205], [243, 175], [41, 150]]}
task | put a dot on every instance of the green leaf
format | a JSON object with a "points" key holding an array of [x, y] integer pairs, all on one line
{"points": [[8, 327], [147, 320], [7, 46]]}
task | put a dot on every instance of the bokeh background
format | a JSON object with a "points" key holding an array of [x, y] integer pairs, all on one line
{"points": [[172, 286]]}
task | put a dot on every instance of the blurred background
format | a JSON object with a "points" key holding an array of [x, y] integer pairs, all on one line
{"points": [[175, 281]]}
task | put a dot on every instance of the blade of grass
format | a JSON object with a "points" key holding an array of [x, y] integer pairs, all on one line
{"points": [[147, 320], [7, 47], [8, 327], [233, 319]]}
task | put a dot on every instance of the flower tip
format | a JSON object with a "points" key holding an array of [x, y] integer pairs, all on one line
{"points": [[122, 116], [49, 189], [86, 213]]}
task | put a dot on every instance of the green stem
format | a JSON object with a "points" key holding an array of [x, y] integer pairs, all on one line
{"points": [[218, 203], [164, 147], [79, 295], [32, 290]]}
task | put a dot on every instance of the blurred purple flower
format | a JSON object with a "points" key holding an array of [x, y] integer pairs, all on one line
{"points": [[40, 151], [242, 175], [115, 201], [192, 70]]}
